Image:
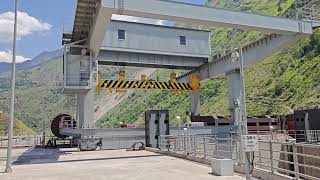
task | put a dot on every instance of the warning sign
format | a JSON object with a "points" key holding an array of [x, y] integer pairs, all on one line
{"points": [[250, 143]]}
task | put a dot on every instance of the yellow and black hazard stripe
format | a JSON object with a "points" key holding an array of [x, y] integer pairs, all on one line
{"points": [[146, 85]]}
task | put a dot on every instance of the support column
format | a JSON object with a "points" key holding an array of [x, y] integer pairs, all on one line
{"points": [[234, 95], [86, 111], [195, 103], [77, 97]]}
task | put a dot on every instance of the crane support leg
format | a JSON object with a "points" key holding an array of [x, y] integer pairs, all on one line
{"points": [[86, 110], [195, 103], [234, 94]]}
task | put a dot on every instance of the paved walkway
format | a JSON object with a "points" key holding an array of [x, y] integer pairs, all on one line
{"points": [[111, 165]]}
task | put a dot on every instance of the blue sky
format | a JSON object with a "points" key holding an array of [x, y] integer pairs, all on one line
{"points": [[40, 28]]}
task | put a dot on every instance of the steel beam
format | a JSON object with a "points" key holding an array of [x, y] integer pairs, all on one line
{"points": [[196, 14], [182, 12], [252, 54], [98, 29], [151, 59]]}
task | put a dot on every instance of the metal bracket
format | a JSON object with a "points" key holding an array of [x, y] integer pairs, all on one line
{"points": [[76, 43], [120, 6]]}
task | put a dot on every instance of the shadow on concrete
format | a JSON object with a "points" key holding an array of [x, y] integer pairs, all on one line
{"points": [[51, 156], [94, 159], [38, 154], [213, 174]]}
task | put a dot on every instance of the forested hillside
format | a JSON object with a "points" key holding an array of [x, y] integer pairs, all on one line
{"points": [[288, 80], [19, 127], [39, 95]]}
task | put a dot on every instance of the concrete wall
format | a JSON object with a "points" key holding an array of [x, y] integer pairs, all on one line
{"points": [[309, 161]]}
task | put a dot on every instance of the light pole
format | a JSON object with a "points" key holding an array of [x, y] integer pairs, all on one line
{"points": [[13, 81], [243, 112]]}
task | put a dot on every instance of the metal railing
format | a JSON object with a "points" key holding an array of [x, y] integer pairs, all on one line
{"points": [[207, 146], [307, 136], [291, 159], [78, 80], [20, 141], [311, 11]]}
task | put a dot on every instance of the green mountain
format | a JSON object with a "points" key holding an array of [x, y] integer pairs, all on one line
{"points": [[18, 126], [288, 80], [39, 95]]}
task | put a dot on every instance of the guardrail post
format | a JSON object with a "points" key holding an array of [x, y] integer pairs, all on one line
{"points": [[231, 148], [295, 160], [215, 145], [163, 143], [175, 145], [40, 140], [184, 145], [271, 157], [179, 139], [260, 160], [195, 145], [204, 147], [237, 151], [190, 142], [35, 140]]}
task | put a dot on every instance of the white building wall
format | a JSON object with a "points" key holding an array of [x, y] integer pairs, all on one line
{"points": [[153, 39]]}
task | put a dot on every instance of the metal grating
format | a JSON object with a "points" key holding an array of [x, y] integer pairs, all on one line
{"points": [[83, 19], [311, 10]]}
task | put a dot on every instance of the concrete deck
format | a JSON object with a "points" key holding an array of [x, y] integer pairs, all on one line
{"points": [[114, 165]]}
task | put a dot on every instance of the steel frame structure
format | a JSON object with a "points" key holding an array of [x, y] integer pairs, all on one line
{"points": [[93, 16]]}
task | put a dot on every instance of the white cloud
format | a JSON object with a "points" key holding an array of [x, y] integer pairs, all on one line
{"points": [[6, 56], [26, 26], [138, 19]]}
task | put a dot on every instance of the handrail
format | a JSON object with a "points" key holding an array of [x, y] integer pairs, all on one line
{"points": [[21, 141], [269, 160]]}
